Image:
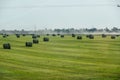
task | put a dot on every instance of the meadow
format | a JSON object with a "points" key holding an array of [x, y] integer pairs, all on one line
{"points": [[60, 59]]}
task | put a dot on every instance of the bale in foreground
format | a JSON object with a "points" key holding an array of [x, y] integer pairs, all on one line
{"points": [[36, 41], [28, 44], [104, 36], [90, 36], [6, 46]]}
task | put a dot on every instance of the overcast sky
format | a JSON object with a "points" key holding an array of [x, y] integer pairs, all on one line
{"points": [[28, 14]]}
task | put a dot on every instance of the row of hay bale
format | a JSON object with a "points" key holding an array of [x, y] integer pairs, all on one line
{"points": [[53, 34], [46, 39], [90, 36], [5, 35], [36, 41], [33, 35], [18, 35], [80, 37], [27, 44], [112, 36]]}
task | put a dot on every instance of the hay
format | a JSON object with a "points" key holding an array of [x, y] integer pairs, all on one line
{"points": [[104, 36], [47, 34], [90, 36], [53, 34], [45, 39], [117, 35], [34, 36], [38, 36], [28, 44], [4, 35], [62, 36], [6, 46], [87, 36], [23, 34], [36, 41], [113, 37], [79, 37], [18, 35], [58, 34], [73, 35]]}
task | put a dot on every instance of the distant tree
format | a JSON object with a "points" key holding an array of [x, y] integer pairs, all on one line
{"points": [[92, 30], [107, 29], [115, 29]]}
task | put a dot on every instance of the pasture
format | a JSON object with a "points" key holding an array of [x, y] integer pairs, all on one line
{"points": [[60, 58]]}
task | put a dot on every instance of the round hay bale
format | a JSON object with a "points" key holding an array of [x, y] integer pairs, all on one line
{"points": [[28, 44], [87, 36], [62, 36], [58, 34], [18, 35], [117, 35], [113, 37], [73, 35], [36, 41], [47, 34], [38, 36], [91, 36], [7, 35], [6, 46], [104, 36], [53, 34], [45, 39], [23, 34], [4, 35], [79, 37], [34, 36]]}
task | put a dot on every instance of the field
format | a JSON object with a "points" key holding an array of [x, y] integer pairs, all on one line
{"points": [[60, 59]]}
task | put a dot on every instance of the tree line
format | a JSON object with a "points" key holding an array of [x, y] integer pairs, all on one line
{"points": [[64, 31]]}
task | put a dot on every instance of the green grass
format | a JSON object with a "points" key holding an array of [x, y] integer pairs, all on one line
{"points": [[60, 59]]}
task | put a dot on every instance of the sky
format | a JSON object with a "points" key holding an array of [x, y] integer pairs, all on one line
{"points": [[50, 14]]}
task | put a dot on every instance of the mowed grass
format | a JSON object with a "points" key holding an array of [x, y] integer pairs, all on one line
{"points": [[60, 59]]}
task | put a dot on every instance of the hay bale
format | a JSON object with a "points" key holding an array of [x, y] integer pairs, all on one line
{"points": [[36, 41], [117, 35], [58, 34], [62, 36], [23, 34], [104, 36], [47, 34], [113, 37], [73, 35], [90, 36], [45, 39], [7, 35], [79, 37], [34, 36], [18, 35], [53, 34], [4, 35], [28, 44], [38, 36], [87, 36], [6, 46]]}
